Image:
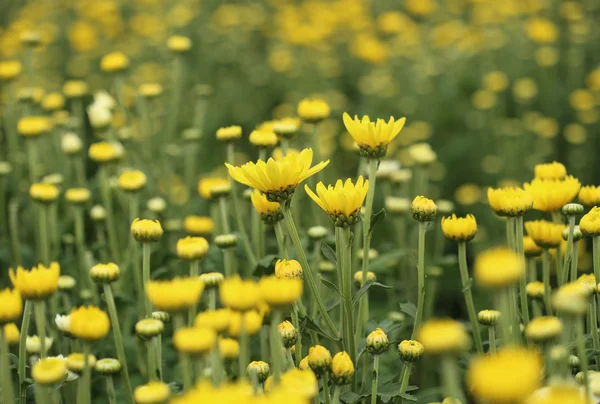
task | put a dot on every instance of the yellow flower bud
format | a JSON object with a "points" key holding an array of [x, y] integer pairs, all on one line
{"points": [[132, 180], [288, 269], [114, 62], [313, 110], [76, 362], [229, 133], [423, 209], [258, 370], [589, 195], [543, 329], [342, 368], [590, 223], [11, 307], [509, 201], [77, 196], [410, 351], [488, 317], [146, 230], [89, 323], [443, 336], [149, 327], [153, 392], [225, 241], [319, 359], [43, 192], [459, 228], [194, 340], [288, 333], [531, 248], [107, 366], [198, 225], [238, 294], [31, 126], [105, 273], [179, 44], [174, 295], [535, 290], [262, 138], [358, 278], [377, 342], [229, 349], [280, 292], [11, 333], [192, 248], [571, 299]]}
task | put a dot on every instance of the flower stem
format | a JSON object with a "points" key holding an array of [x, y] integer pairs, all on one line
{"points": [[523, 281], [276, 347], [151, 352], [546, 279], [228, 262], [325, 380], [593, 325], [39, 309], [492, 338], [281, 240], [116, 329], [184, 360], [336, 395], [375, 381], [85, 379], [5, 370], [296, 323], [575, 261], [224, 215], [244, 357], [567, 261], [194, 273], [44, 239], [146, 277], [346, 271], [405, 378], [451, 379], [110, 390], [503, 305], [113, 244], [27, 311], [581, 352], [212, 299], [420, 279], [13, 224], [464, 276], [217, 365]]}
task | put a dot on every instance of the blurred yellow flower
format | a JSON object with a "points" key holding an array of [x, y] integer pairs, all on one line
{"points": [[30, 126], [550, 195], [53, 101], [483, 99], [192, 248], [43, 192], [467, 194], [194, 340], [530, 247], [550, 171], [542, 31], [420, 8], [207, 184], [313, 110], [49, 371], [11, 307], [498, 268], [103, 152], [280, 292], [547, 56], [75, 88], [253, 321], [589, 195], [524, 89], [495, 81], [37, 284], [262, 138], [132, 180], [153, 392], [559, 393], [10, 69], [176, 294], [443, 336], [590, 223], [238, 294], [218, 320], [83, 36], [198, 225], [114, 62], [179, 43], [229, 348], [582, 100], [89, 323]]}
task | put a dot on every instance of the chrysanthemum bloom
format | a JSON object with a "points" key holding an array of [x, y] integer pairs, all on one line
{"points": [[229, 133], [76, 362], [373, 138], [37, 284], [217, 320], [31, 126], [423, 209], [508, 376], [103, 152], [105, 273], [270, 212], [288, 269], [498, 268], [49, 371], [258, 370], [43, 192], [11, 307], [319, 359], [551, 195], [179, 43], [343, 201], [560, 393], [571, 299], [253, 321], [535, 290], [198, 225], [459, 228], [150, 90], [589, 195], [531, 248], [277, 179], [443, 336], [377, 342], [146, 230], [75, 88], [89, 323], [174, 295], [107, 366], [153, 392], [10, 69], [194, 340], [229, 348], [132, 180], [11, 333], [488, 317], [545, 234], [288, 333], [214, 187], [550, 171], [509, 201], [544, 328], [342, 368], [589, 282], [287, 127], [114, 62], [192, 248], [262, 138], [313, 110], [590, 223], [78, 196], [280, 292]]}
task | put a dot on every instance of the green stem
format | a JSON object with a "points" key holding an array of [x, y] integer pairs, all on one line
{"points": [[152, 368], [593, 325], [27, 311], [451, 379], [228, 262], [523, 280], [285, 145], [346, 271], [13, 223], [184, 360], [325, 380], [79, 170], [44, 237], [420, 279], [39, 309], [113, 244], [492, 338], [503, 305], [244, 357], [158, 345], [336, 395], [276, 347], [575, 261], [116, 329], [212, 299], [194, 273], [32, 158], [110, 390], [224, 215], [5, 370], [41, 394], [296, 323], [546, 280], [280, 240], [375, 381], [146, 277], [405, 378], [568, 252], [85, 385], [466, 284], [217, 365], [581, 352], [596, 256]]}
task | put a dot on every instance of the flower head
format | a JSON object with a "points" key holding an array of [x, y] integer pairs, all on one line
{"points": [[146, 230], [342, 368], [313, 110], [277, 179], [423, 209], [149, 327], [259, 370], [410, 350], [37, 284], [78, 195], [535, 290], [174, 295], [198, 225], [11, 305], [550, 195], [218, 319], [488, 317], [342, 202], [75, 88], [192, 248], [545, 234], [530, 247], [132, 180], [76, 362], [377, 342], [252, 320], [208, 185], [229, 133], [280, 292], [153, 392], [559, 393], [262, 138], [114, 62], [288, 333], [49, 371], [590, 223], [286, 127], [589, 195], [229, 348], [543, 328], [509, 201], [238, 294], [498, 268], [270, 212], [31, 126], [459, 228], [319, 359], [179, 43], [550, 171], [571, 299], [89, 323], [373, 138], [33, 344], [288, 269], [107, 366], [443, 336], [43, 192], [103, 152], [10, 69], [11, 333], [212, 280], [194, 340]]}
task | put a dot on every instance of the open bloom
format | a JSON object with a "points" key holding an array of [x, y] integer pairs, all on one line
{"points": [[509, 201], [443, 336], [89, 323], [550, 171], [545, 234], [459, 228], [550, 195], [194, 340], [373, 137], [342, 202], [176, 294], [277, 179], [590, 223], [589, 195], [498, 267], [49, 371], [11, 305], [39, 283], [280, 292], [238, 294]]}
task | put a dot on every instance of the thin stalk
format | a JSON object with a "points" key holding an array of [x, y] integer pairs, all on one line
{"points": [[296, 323], [375, 382], [79, 244], [514, 314], [146, 277], [596, 256], [532, 277], [503, 305], [134, 247], [39, 309], [116, 329], [85, 385], [194, 273], [264, 343], [464, 276], [285, 145], [217, 365], [325, 380], [568, 252], [184, 360], [44, 239], [276, 347], [492, 338], [451, 379], [41, 394], [546, 280], [336, 395], [405, 378], [523, 280], [593, 326], [346, 271], [290, 359], [228, 261], [575, 261], [110, 390], [113, 244], [13, 224], [420, 279], [224, 215], [79, 165], [244, 357], [5, 371], [151, 352], [281, 244], [158, 345], [27, 311], [581, 352], [212, 299]]}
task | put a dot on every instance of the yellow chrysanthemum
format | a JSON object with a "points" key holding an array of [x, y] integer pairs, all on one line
{"points": [[508, 376], [114, 62], [509, 201], [33, 125], [89, 323], [176, 294], [238, 294], [530, 247], [550, 171], [543, 328], [218, 319], [208, 184], [146, 230], [590, 223], [132, 180], [179, 43], [589, 195], [545, 234], [198, 225], [542, 31], [43, 192], [270, 212], [443, 336], [49, 371], [373, 137], [10, 69], [252, 323], [342, 368], [194, 340], [37, 284], [280, 292], [498, 268], [551, 195], [153, 392], [313, 110], [103, 152], [11, 305], [288, 269], [343, 201], [459, 228], [277, 179], [192, 248], [263, 138], [11, 332]]}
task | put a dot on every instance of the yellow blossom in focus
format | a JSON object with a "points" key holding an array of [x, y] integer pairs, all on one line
{"points": [[288, 269], [443, 336], [373, 138], [498, 268], [550, 195], [459, 228], [270, 212], [342, 202], [423, 209], [89, 323], [545, 234], [174, 295], [146, 230], [37, 284], [509, 201], [342, 368]]}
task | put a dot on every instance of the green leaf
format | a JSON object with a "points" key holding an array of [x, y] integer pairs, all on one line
{"points": [[388, 260], [330, 285], [375, 219], [311, 325], [409, 309], [468, 285], [350, 397], [366, 287], [328, 253], [266, 266]]}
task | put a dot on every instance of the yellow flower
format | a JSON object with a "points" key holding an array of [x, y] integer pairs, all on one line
{"points": [[229, 348], [288, 333], [530, 247], [179, 44], [280, 292], [198, 225], [545, 234], [105, 273], [229, 133], [103, 152], [524, 89], [153, 392], [11, 332], [89, 323], [78, 195], [146, 230], [508, 376], [495, 81], [535, 290], [288, 269], [410, 350], [443, 336], [588, 281], [319, 359], [483, 99], [459, 228], [498, 268], [212, 280], [12, 305], [589, 195], [43, 192], [286, 127], [238, 294], [420, 8], [10, 69], [258, 369], [270, 212], [76, 362], [562, 393], [132, 180], [30, 126], [277, 179], [114, 62], [571, 299], [262, 138], [218, 319], [149, 327], [150, 90], [542, 31], [342, 202], [49, 371], [377, 342], [176, 294], [551, 195], [373, 138], [301, 383], [342, 368], [37, 284], [75, 88], [543, 328], [488, 317], [423, 209], [590, 223], [253, 321], [194, 340], [509, 201], [550, 171], [192, 248], [53, 101], [207, 185], [313, 110]]}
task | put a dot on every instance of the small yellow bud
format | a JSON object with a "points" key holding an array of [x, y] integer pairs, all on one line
{"points": [[192, 248], [107, 366], [105, 273], [146, 230], [410, 351], [229, 133], [288, 269], [288, 334], [258, 370], [423, 209], [319, 359], [342, 368], [377, 342], [76, 362], [149, 327]]}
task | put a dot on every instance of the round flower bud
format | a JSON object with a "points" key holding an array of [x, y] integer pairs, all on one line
{"points": [[33, 126], [319, 359], [317, 233], [103, 152], [149, 327], [229, 348], [105, 273], [107, 366], [577, 234], [571, 209], [574, 361], [288, 269], [543, 329], [410, 351], [377, 342], [288, 333], [192, 248], [443, 336], [10, 70], [313, 110], [132, 180], [66, 282], [488, 317], [535, 290], [459, 228], [220, 190], [280, 292], [12, 305], [43, 193], [98, 213], [423, 209], [89, 323], [498, 268], [194, 340], [258, 370], [286, 127], [76, 362], [33, 344], [212, 280], [146, 230], [49, 371], [588, 281], [162, 316], [75, 88], [342, 368], [156, 205], [70, 143], [590, 223], [358, 278], [396, 205], [224, 241], [114, 62], [153, 392], [77, 196], [198, 225], [229, 133]]}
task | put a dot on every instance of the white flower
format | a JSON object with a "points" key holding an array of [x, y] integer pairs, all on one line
{"points": [[63, 323], [104, 100], [70, 143], [156, 204], [387, 168], [100, 116], [33, 344], [118, 147]]}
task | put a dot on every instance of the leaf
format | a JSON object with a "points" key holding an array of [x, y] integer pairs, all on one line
{"points": [[388, 260], [409, 309], [350, 397], [366, 287], [331, 285], [311, 325], [468, 285], [329, 253], [265, 266], [375, 219]]}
